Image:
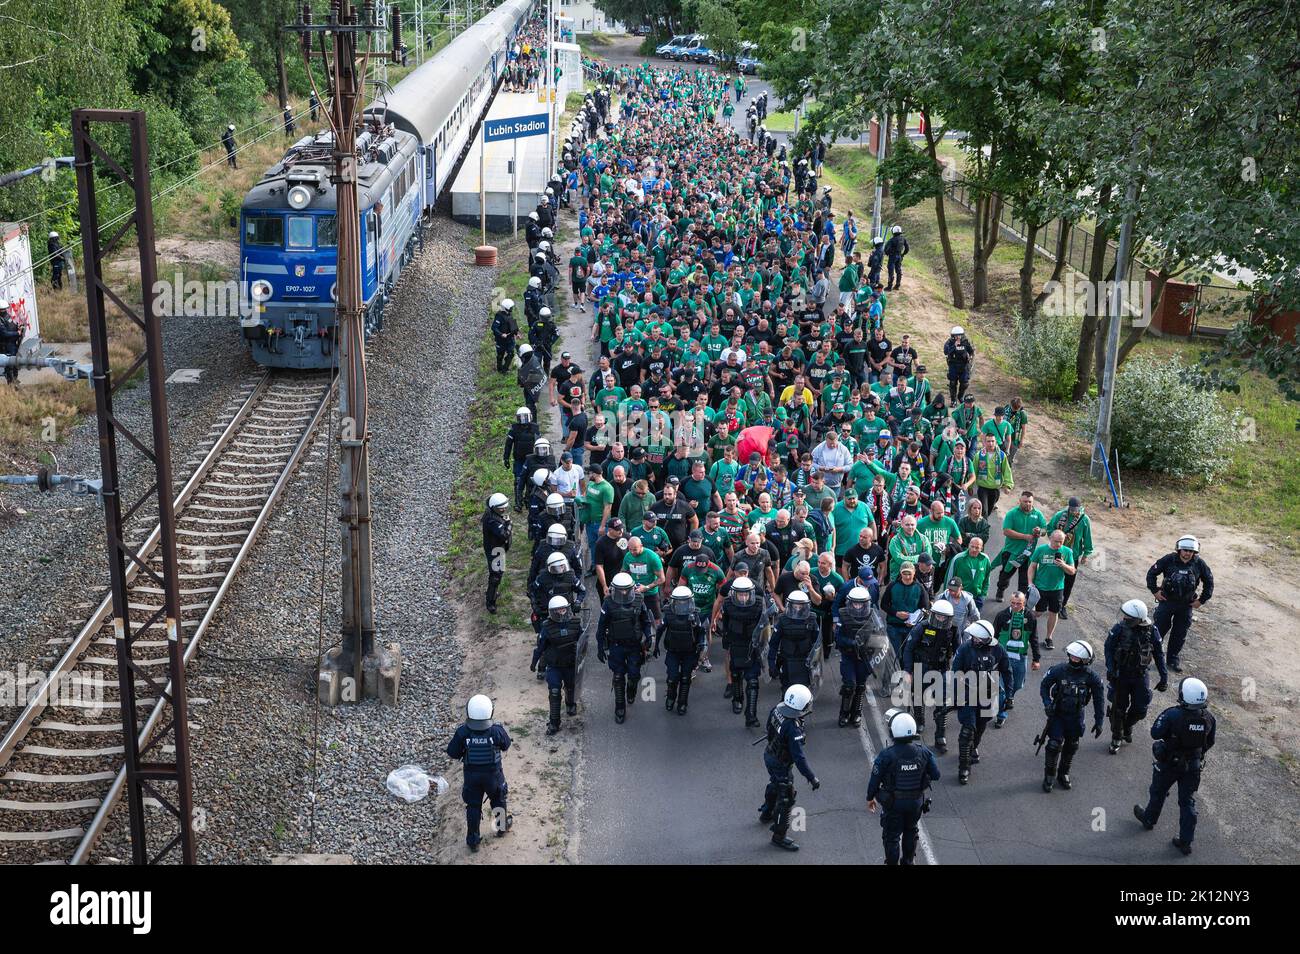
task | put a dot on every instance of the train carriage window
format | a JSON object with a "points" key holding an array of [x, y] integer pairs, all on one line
{"points": [[264, 230], [327, 231], [300, 231]]}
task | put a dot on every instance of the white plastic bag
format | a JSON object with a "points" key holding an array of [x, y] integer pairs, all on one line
{"points": [[411, 783]]}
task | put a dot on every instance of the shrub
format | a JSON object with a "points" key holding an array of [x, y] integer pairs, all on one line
{"points": [[1045, 352], [1162, 422]]}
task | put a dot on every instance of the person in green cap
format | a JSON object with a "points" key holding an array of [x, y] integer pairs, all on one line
{"points": [[1021, 528], [1049, 565], [1076, 526]]}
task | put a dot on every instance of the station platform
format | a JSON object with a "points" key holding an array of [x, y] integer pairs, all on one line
{"points": [[533, 169]]}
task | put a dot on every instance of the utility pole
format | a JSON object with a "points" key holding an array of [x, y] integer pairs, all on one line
{"points": [[357, 669], [1106, 387], [883, 132]]}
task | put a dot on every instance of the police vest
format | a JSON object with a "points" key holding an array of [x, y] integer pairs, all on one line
{"points": [[623, 622], [778, 737], [562, 643], [797, 639], [481, 749], [1072, 691], [857, 628], [935, 647], [1133, 650], [1181, 580], [906, 777], [1191, 734], [679, 632], [551, 585], [739, 623]]}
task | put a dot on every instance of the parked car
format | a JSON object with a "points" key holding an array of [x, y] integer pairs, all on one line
{"points": [[663, 48], [683, 50], [746, 61]]}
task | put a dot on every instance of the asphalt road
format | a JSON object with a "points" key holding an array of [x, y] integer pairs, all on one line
{"points": [[669, 789]]}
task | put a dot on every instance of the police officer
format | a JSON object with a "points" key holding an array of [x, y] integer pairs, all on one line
{"points": [[875, 260], [478, 745], [54, 248], [1183, 734], [542, 335], [1066, 691], [558, 649], [858, 625], [741, 622], [557, 511], [531, 376], [959, 353], [228, 140], [1130, 646], [1176, 596], [973, 665], [900, 777], [496, 544], [895, 249], [927, 656], [505, 330], [783, 754], [520, 438], [792, 651], [558, 580], [534, 298], [555, 541], [622, 637], [536, 506], [10, 338], [684, 638]]}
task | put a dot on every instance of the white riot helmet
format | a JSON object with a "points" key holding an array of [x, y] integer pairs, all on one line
{"points": [[541, 446], [547, 233], [557, 564], [1079, 653], [525, 351], [897, 230], [902, 727], [1192, 693], [550, 191], [1189, 543], [743, 588], [942, 608], [980, 632], [683, 600], [556, 535], [498, 502], [1135, 611], [957, 331], [478, 713], [4, 303], [523, 415], [558, 608], [507, 304], [540, 476], [621, 588], [545, 313], [878, 240], [534, 282], [54, 235], [860, 596], [230, 126], [797, 701], [544, 246], [555, 504], [533, 216], [797, 605]]}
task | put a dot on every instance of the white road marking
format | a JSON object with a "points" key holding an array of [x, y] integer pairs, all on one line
{"points": [[923, 840]]}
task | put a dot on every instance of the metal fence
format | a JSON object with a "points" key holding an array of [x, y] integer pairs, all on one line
{"points": [[1222, 304]]}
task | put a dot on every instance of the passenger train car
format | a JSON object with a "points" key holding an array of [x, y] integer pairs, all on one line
{"points": [[412, 140]]}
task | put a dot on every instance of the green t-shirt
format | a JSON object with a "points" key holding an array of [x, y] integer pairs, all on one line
{"points": [[1021, 522], [940, 532], [699, 494], [654, 539], [761, 518], [717, 540], [821, 582], [848, 524], [594, 501], [703, 585], [644, 568], [1049, 576]]}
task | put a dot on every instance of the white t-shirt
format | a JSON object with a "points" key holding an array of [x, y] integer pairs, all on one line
{"points": [[567, 481]]}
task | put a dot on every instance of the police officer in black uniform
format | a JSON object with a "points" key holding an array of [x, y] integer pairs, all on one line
{"points": [[228, 140], [741, 623], [1130, 646], [783, 754], [623, 635], [520, 438], [10, 338], [793, 647], [960, 354], [478, 745], [930, 648], [558, 650], [535, 503], [858, 625], [895, 249], [505, 331], [900, 777], [542, 335], [1176, 596], [556, 541], [973, 666], [496, 544], [56, 252], [558, 580], [531, 376], [1183, 734], [1066, 691], [684, 638]]}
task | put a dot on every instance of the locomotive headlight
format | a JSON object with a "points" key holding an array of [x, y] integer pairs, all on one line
{"points": [[299, 197], [260, 290]]}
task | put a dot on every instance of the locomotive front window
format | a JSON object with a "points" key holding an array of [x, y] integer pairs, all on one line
{"points": [[300, 229], [264, 230], [327, 231]]}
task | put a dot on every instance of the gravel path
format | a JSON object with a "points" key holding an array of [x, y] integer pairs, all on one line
{"points": [[253, 747]]}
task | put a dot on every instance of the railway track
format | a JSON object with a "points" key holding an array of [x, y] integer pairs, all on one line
{"points": [[61, 759]]}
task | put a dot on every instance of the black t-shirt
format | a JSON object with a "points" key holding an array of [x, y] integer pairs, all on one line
{"points": [[857, 557], [675, 518], [561, 373], [784, 539], [878, 349], [757, 564], [609, 555], [684, 554], [903, 358], [787, 583], [592, 436], [578, 425], [627, 367]]}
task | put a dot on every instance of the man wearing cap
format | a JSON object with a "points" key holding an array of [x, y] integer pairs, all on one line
{"points": [[1000, 428], [903, 597], [652, 535], [969, 418], [1076, 526], [609, 552]]}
